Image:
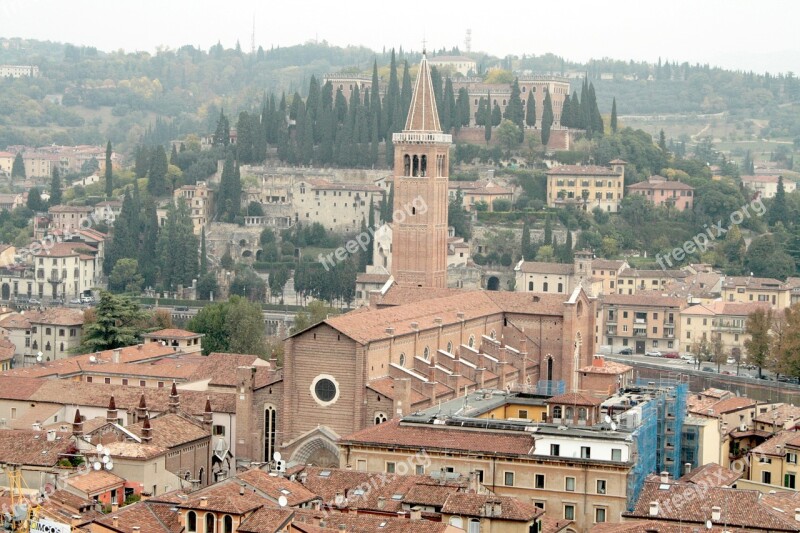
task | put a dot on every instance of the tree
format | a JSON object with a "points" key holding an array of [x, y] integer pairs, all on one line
{"points": [[125, 243], [514, 110], [55, 187], [203, 253], [701, 350], [758, 342], [222, 134], [530, 111], [497, 115], [766, 258], [141, 162], [314, 313], [230, 191], [718, 353], [35, 202], [148, 250], [234, 326], [125, 277], [547, 119], [548, 231], [526, 245], [18, 167], [458, 218], [177, 248], [109, 172], [508, 134], [614, 115], [207, 286], [786, 341], [778, 210], [157, 174], [117, 323]]}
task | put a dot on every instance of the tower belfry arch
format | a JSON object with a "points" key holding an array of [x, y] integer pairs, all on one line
{"points": [[421, 172]]}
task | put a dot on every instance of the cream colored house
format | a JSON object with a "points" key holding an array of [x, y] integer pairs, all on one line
{"points": [[726, 320], [587, 187], [749, 289], [199, 200], [767, 186], [340, 207]]}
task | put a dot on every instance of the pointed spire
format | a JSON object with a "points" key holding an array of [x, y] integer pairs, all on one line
{"points": [[112, 406], [174, 400], [208, 415], [141, 411], [422, 114], [147, 432], [142, 403], [111, 413], [77, 419]]}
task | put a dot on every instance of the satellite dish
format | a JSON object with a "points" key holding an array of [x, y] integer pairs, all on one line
{"points": [[282, 501], [709, 525], [613, 426], [109, 465], [96, 466], [99, 448], [276, 456], [106, 459], [106, 451], [607, 419], [39, 358], [92, 359]]}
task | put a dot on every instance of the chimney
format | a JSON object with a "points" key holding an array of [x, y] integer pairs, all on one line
{"points": [[653, 508], [390, 330], [136, 528], [208, 414], [114, 506], [716, 513], [402, 397], [381, 502], [374, 298], [498, 508], [75, 520], [665, 477], [598, 361], [415, 514], [77, 424], [115, 355], [51, 435], [174, 399], [204, 501], [115, 521], [415, 326], [147, 432], [339, 499], [141, 411], [437, 321], [241, 490], [111, 413], [523, 345]]}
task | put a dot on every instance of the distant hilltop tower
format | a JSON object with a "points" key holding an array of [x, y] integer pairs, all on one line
{"points": [[421, 167]]}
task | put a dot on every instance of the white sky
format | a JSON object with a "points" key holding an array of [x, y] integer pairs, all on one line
{"points": [[748, 34]]}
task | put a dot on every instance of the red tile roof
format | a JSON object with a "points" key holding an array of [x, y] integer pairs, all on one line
{"points": [[574, 398], [581, 170], [511, 509], [274, 486]]}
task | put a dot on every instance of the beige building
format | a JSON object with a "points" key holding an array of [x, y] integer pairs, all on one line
{"points": [[69, 217], [767, 186], [19, 71], [340, 207], [54, 333], [476, 192], [199, 200], [749, 289], [642, 323], [724, 320], [587, 187], [66, 270], [6, 162], [634, 280], [774, 463], [449, 65]]}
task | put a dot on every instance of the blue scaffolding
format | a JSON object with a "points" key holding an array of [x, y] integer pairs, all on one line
{"points": [[550, 387]]}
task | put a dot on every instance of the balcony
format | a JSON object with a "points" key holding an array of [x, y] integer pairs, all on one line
{"points": [[639, 332], [640, 321], [669, 333], [611, 330]]}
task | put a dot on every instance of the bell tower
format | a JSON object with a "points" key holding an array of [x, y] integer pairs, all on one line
{"points": [[421, 168]]}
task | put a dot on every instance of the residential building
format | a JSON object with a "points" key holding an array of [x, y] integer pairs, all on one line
{"points": [[449, 65], [643, 323], [605, 377], [421, 170], [107, 211], [661, 191], [7, 350], [634, 280], [605, 275], [339, 206], [184, 340], [480, 192], [726, 321], [65, 270], [773, 418], [347, 83], [559, 278], [199, 201], [19, 71], [69, 218], [6, 162], [766, 186], [773, 464], [54, 333], [34, 454], [749, 289], [587, 187], [734, 417], [366, 283]]}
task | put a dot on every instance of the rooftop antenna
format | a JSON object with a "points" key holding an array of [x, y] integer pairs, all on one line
{"points": [[468, 41]]}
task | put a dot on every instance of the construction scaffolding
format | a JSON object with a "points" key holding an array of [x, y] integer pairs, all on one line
{"points": [[550, 387], [645, 462]]}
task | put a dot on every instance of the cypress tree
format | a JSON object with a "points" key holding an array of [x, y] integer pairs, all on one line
{"points": [[371, 247], [55, 187], [530, 111], [313, 99], [406, 93], [110, 171], [157, 174], [497, 115], [614, 116], [141, 162], [596, 118], [526, 241], [462, 108], [779, 211], [222, 135], [18, 167], [547, 119], [548, 231], [585, 114], [375, 102], [148, 258], [514, 111], [203, 255], [436, 83], [575, 111], [390, 101], [173, 157], [447, 111]]}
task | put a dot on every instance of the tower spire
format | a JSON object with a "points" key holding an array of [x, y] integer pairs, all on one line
{"points": [[422, 113]]}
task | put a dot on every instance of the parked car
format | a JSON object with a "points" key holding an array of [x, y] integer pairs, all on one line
{"points": [[727, 372], [626, 351], [691, 361], [708, 369], [652, 353], [671, 355], [687, 357], [87, 299], [75, 301], [34, 301], [730, 361]]}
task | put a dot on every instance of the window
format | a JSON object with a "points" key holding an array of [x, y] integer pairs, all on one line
{"points": [[523, 413], [426, 353], [766, 478], [191, 522], [538, 481], [390, 466], [361, 465], [599, 514], [616, 454], [569, 512], [218, 430], [227, 524], [479, 475], [124, 381], [474, 526], [788, 481], [569, 484], [508, 479], [325, 390], [557, 411], [601, 486], [402, 359], [107, 381], [142, 383], [791, 458], [544, 287], [419, 470], [210, 523], [88, 379], [555, 449], [586, 452]]}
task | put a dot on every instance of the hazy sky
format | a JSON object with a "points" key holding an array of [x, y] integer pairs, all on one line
{"points": [[759, 35]]}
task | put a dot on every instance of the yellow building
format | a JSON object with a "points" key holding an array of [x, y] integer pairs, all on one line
{"points": [[749, 289], [724, 320], [587, 187], [633, 280], [774, 462]]}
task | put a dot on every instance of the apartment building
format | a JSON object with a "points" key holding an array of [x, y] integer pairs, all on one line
{"points": [[54, 333], [199, 200], [660, 191], [66, 270], [477, 192], [766, 186], [749, 289], [634, 280], [463, 65], [340, 207], [774, 462], [724, 320], [70, 217], [640, 322], [587, 186]]}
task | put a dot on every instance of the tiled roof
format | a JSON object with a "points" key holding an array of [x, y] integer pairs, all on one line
{"points": [[70, 209], [753, 283], [7, 349], [309, 521], [642, 300], [134, 450], [15, 321], [654, 183], [266, 520], [726, 308], [779, 415], [582, 170], [56, 316], [573, 398], [95, 481], [276, 486], [650, 526], [712, 475], [780, 439], [372, 278], [474, 505], [429, 493], [221, 367], [28, 447], [406, 294], [738, 508], [172, 333], [16, 388], [609, 264], [149, 516], [223, 497], [38, 413], [442, 437], [534, 267], [171, 430], [422, 114], [609, 367]]}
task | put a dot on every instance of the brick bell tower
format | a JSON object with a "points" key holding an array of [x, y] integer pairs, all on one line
{"points": [[421, 168]]}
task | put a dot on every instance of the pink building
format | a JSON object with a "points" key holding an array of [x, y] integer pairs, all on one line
{"points": [[661, 191]]}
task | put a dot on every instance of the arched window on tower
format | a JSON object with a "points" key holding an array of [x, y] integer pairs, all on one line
{"points": [[406, 165], [423, 165], [415, 169]]}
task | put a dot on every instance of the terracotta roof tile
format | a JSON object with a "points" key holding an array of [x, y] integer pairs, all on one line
{"points": [[534, 267], [28, 447], [266, 520], [474, 505], [781, 439], [276, 486], [171, 430], [779, 415], [95, 481], [643, 300], [712, 475], [573, 398], [581, 170], [173, 333], [150, 516], [224, 497]]}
